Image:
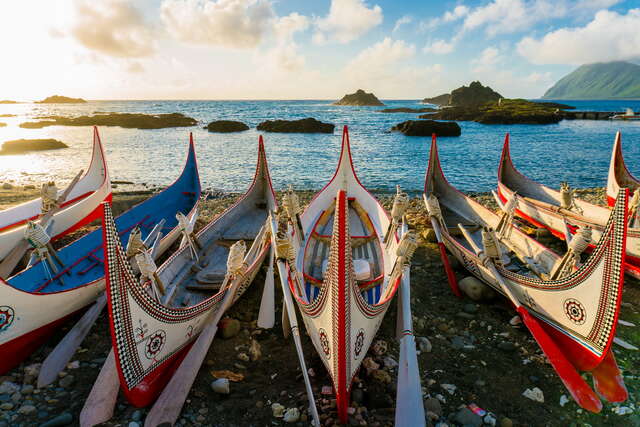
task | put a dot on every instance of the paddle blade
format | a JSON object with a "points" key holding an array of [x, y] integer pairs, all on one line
{"points": [[98, 408], [608, 380], [286, 325], [60, 356], [409, 404], [575, 384], [267, 315], [451, 276]]}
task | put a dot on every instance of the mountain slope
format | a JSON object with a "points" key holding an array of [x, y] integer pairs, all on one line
{"points": [[608, 80]]}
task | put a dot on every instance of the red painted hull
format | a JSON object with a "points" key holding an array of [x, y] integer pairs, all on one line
{"points": [[15, 351]]}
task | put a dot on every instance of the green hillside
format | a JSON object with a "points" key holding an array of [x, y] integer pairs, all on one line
{"points": [[608, 80]]}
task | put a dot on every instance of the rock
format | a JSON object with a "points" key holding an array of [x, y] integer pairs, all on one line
{"points": [[449, 388], [464, 315], [291, 416], [8, 387], [27, 409], [226, 126], [124, 120], [27, 389], [443, 99], [59, 99], [433, 405], [490, 420], [66, 381], [457, 342], [255, 351], [133, 424], [19, 146], [308, 125], [563, 400], [427, 128], [470, 308], [359, 98], [61, 420], [16, 397], [229, 327], [506, 346], [429, 235], [381, 376], [506, 422], [390, 362], [136, 416], [424, 345], [408, 110], [370, 365], [473, 95], [475, 289], [220, 386], [380, 348], [468, 418], [357, 395], [6, 406], [7, 186], [74, 365], [515, 321], [534, 394], [243, 356], [277, 410]]}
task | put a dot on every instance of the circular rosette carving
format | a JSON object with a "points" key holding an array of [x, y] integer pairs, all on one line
{"points": [[357, 348], [6, 317], [575, 311], [155, 343], [324, 342]]}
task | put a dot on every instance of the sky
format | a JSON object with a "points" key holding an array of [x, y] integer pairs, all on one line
{"points": [[302, 49]]}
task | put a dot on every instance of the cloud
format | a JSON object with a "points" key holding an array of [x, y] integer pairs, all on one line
{"points": [[135, 67], [457, 13], [487, 60], [439, 47], [406, 19], [376, 58], [510, 16], [112, 27], [284, 57], [240, 24], [347, 20], [537, 78], [608, 37]]}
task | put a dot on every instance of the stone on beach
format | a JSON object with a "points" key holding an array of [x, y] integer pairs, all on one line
{"points": [[475, 289], [427, 128], [308, 125], [226, 126], [220, 386], [229, 327]]}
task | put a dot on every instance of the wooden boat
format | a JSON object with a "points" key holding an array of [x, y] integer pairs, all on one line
{"points": [[343, 274], [619, 176], [559, 211], [80, 207], [24, 325], [151, 336], [628, 115], [573, 317]]}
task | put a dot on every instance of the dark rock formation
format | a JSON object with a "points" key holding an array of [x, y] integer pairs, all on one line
{"points": [[506, 111], [308, 125], [124, 120], [427, 128], [359, 98], [20, 146], [226, 126], [408, 110], [473, 95], [438, 100], [557, 105], [58, 99]]}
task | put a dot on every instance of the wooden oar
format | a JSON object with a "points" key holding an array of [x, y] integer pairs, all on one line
{"points": [[451, 276], [409, 403], [98, 408], [582, 393], [9, 263], [267, 314], [292, 321], [66, 348]]}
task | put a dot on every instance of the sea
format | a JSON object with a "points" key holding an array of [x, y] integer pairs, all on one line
{"points": [[575, 151]]}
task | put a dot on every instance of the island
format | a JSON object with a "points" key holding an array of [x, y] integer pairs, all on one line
{"points": [[20, 146], [359, 98], [124, 120], [427, 128], [505, 111], [438, 100], [59, 99], [226, 126], [308, 125], [604, 80]]}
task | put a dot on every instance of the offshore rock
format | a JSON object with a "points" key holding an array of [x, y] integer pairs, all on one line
{"points": [[226, 126], [427, 128], [359, 98], [59, 99], [308, 125], [124, 120], [20, 146]]}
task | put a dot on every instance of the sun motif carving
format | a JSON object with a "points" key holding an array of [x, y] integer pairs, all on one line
{"points": [[575, 311], [6, 317], [155, 343]]}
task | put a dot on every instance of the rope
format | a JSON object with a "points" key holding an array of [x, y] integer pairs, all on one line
{"points": [[491, 248], [291, 202], [135, 243], [38, 238], [567, 200], [580, 241], [184, 224], [407, 246], [146, 265], [433, 207], [49, 196], [235, 260], [400, 205]]}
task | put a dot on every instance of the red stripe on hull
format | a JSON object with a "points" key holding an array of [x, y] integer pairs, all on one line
{"points": [[148, 390], [15, 351], [342, 393]]}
